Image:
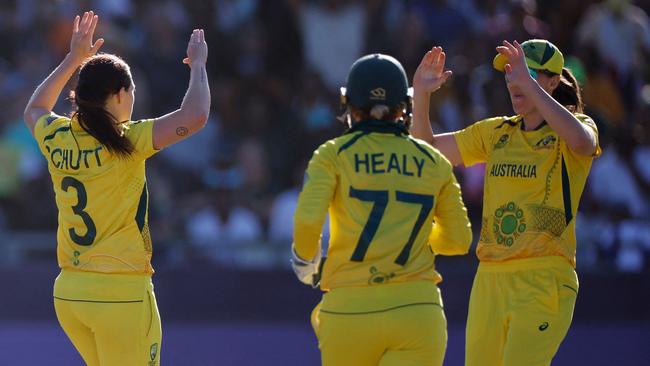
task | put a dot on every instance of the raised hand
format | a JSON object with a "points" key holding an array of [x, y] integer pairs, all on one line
{"points": [[516, 70], [81, 43], [197, 49], [431, 74]]}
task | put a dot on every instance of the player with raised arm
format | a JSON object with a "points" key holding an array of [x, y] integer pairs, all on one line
{"points": [[537, 162], [394, 204], [104, 296]]}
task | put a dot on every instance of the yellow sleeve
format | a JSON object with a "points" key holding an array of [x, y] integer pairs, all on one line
{"points": [[313, 202], [45, 124], [586, 120], [140, 133], [452, 231], [474, 142]]}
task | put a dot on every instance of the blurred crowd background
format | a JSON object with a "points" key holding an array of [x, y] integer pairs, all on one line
{"points": [[226, 196]]}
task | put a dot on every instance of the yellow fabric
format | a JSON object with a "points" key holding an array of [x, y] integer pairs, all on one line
{"points": [[102, 199], [414, 333], [403, 174], [533, 183], [520, 311], [111, 319]]}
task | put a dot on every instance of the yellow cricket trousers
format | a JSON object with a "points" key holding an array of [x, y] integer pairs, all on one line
{"points": [[112, 319], [387, 325], [519, 311]]}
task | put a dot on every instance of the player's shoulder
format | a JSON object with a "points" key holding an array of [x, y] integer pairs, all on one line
{"points": [[49, 125], [328, 149], [431, 152], [585, 119], [339, 144], [499, 122], [131, 126]]}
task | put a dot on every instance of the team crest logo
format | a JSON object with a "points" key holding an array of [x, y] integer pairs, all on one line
{"points": [[546, 142], [377, 277], [378, 94], [509, 223], [153, 352], [503, 140]]}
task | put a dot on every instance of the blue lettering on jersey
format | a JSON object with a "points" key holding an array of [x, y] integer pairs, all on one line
{"points": [[358, 162], [66, 159], [377, 160], [377, 164]]}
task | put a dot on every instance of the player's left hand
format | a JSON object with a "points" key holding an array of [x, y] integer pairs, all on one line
{"points": [[308, 272], [431, 74], [516, 70], [81, 42]]}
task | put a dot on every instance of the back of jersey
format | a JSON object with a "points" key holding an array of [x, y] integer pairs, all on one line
{"points": [[384, 190], [102, 199]]}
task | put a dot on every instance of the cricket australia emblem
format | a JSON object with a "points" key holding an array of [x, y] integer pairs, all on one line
{"points": [[377, 277]]}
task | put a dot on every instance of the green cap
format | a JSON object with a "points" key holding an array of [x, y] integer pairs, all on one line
{"points": [[540, 55], [376, 79]]}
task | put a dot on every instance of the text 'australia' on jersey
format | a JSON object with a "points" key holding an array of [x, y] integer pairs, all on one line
{"points": [[383, 189], [102, 199], [533, 183]]}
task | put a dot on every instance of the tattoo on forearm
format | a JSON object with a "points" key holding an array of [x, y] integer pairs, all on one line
{"points": [[181, 131]]}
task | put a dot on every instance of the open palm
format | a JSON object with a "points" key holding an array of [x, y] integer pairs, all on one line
{"points": [[81, 42], [431, 73]]}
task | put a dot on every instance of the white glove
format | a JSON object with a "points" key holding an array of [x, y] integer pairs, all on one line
{"points": [[308, 272]]}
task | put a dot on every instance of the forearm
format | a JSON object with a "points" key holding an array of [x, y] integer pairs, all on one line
{"points": [[47, 93], [307, 240], [196, 102], [578, 136], [421, 127], [452, 231]]}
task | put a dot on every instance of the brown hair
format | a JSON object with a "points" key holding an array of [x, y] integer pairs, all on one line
{"points": [[100, 77], [568, 92]]}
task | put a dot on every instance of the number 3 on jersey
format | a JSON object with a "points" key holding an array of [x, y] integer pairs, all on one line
{"points": [[380, 200], [78, 209]]}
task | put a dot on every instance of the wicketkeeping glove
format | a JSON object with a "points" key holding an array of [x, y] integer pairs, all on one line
{"points": [[308, 272]]}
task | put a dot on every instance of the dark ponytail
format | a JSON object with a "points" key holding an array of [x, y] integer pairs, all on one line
{"points": [[568, 92], [100, 77]]}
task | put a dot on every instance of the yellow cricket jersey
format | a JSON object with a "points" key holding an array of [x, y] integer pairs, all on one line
{"points": [[102, 199], [384, 190], [533, 183]]}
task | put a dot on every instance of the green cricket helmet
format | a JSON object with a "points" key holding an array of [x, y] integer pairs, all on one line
{"points": [[375, 79]]}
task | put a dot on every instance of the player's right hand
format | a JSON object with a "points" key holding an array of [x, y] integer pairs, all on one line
{"points": [[197, 49], [81, 42], [308, 272], [431, 74]]}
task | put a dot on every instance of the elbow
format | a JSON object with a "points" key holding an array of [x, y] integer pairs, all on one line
{"points": [[463, 242], [196, 119], [453, 246], [202, 118]]}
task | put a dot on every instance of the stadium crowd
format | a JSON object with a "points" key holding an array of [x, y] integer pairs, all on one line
{"points": [[228, 193]]}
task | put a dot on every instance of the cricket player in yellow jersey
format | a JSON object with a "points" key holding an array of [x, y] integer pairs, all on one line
{"points": [[104, 297], [537, 163], [384, 190]]}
